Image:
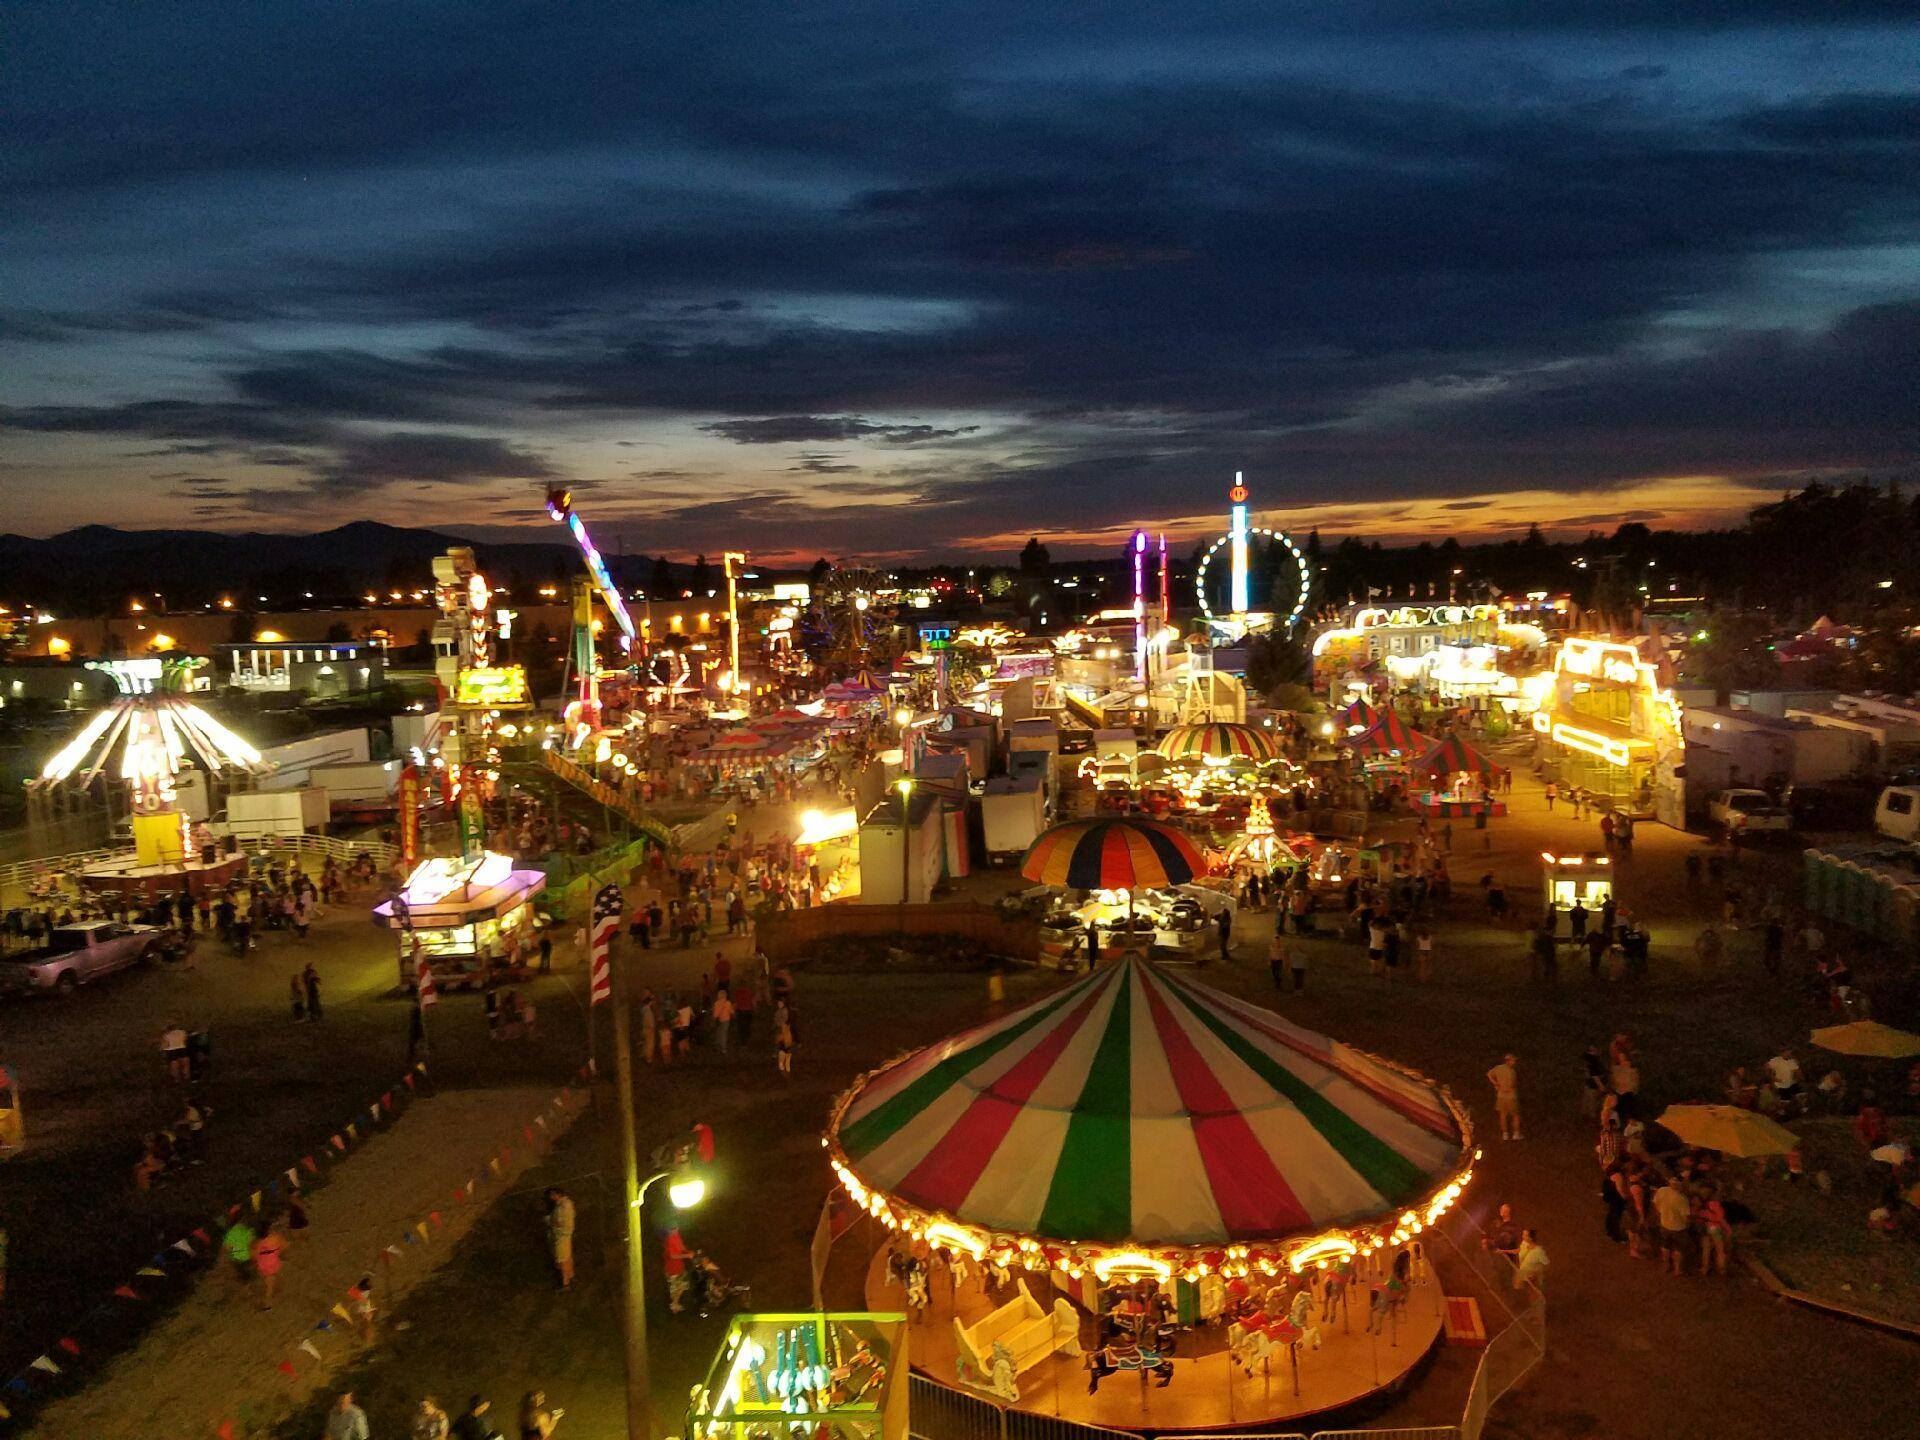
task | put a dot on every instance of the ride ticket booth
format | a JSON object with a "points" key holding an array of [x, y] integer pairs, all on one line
{"points": [[1586, 878]]}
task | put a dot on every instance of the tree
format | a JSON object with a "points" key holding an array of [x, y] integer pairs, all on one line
{"points": [[1730, 652], [1274, 659], [817, 575], [999, 585], [1034, 559], [338, 633], [660, 582]]}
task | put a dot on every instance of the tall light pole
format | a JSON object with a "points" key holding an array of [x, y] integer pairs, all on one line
{"points": [[905, 786], [727, 563], [684, 1193]]}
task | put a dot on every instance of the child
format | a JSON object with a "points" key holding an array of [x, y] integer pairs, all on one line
{"points": [[360, 1306]]}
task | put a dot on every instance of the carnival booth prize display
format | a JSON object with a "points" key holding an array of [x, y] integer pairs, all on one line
{"points": [[1462, 781]]}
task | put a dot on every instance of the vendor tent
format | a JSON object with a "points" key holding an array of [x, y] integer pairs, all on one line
{"points": [[1453, 756], [1218, 743], [1389, 733], [1358, 713], [1141, 1110]]}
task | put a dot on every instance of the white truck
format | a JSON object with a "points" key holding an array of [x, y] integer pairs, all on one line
{"points": [[77, 954], [1748, 814], [1897, 815], [1013, 812]]}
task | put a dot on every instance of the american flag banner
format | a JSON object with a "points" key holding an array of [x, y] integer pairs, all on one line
{"points": [[607, 905], [423, 978]]}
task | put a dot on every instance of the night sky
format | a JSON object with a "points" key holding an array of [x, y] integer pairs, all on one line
{"points": [[924, 278]]}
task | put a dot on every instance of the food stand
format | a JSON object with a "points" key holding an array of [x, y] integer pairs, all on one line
{"points": [[1116, 876], [1585, 878], [463, 916]]}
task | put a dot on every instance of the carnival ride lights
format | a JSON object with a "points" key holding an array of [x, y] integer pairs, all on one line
{"points": [[560, 507], [1293, 550], [157, 733], [1129, 1253]]}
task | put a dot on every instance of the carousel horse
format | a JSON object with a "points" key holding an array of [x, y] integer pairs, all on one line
{"points": [[1111, 1359]]}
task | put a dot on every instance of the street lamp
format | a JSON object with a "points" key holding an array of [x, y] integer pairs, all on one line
{"points": [[685, 1190], [905, 786]]}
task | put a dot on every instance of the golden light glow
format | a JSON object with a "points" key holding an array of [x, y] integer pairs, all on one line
{"points": [[1131, 1262]]}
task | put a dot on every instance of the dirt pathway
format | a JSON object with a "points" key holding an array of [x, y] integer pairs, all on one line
{"points": [[219, 1358]]}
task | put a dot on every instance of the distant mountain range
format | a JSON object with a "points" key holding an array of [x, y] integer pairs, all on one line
{"points": [[97, 567]]}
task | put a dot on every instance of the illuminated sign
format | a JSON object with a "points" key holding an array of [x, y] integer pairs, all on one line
{"points": [[493, 687], [1601, 660]]}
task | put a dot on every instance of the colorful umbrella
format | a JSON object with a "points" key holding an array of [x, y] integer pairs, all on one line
{"points": [[1113, 855], [1729, 1129], [1452, 756], [1389, 733], [1870, 1038], [1218, 742], [1138, 1109]]}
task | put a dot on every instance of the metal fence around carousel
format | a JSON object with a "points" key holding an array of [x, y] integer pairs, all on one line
{"points": [[18, 876]]}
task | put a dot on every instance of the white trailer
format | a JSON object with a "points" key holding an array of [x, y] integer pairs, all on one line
{"points": [[252, 813], [1013, 812]]}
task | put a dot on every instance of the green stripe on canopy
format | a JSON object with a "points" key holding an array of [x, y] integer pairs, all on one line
{"points": [[877, 1126], [1394, 1176], [1084, 1202]]}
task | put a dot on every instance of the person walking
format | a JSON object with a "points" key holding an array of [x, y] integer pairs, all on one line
{"points": [[474, 1423], [560, 1223], [429, 1421], [722, 1013], [346, 1420], [1505, 1080], [783, 1038], [1675, 1213], [537, 1421], [173, 1050], [1530, 1262], [743, 1007], [1223, 923], [1552, 791], [1277, 959], [310, 978], [269, 1252]]}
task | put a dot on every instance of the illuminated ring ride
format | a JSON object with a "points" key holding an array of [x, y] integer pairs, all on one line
{"points": [[1299, 560], [1017, 1143], [679, 672]]}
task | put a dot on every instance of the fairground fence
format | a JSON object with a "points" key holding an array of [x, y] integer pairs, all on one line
{"points": [[18, 876], [1516, 1322], [790, 934]]}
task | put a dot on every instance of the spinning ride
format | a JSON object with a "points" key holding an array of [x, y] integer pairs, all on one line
{"points": [[135, 750]]}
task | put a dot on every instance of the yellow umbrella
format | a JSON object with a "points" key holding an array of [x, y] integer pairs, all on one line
{"points": [[1868, 1037], [1729, 1129]]}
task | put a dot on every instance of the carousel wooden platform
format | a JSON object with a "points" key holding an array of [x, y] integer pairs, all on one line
{"points": [[124, 876], [1208, 1391]]}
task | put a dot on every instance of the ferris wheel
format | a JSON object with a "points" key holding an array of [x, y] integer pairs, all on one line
{"points": [[1285, 563], [852, 610]]}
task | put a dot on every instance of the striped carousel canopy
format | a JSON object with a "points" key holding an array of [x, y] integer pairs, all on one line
{"points": [[1138, 1109], [1113, 855], [1452, 756], [1389, 733], [1218, 742]]}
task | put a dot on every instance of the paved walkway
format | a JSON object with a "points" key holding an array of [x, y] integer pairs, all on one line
{"points": [[217, 1357]]}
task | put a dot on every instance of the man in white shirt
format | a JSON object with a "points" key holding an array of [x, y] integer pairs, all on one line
{"points": [[1505, 1079], [1784, 1069]]}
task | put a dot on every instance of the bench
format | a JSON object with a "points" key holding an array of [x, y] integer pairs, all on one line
{"points": [[1028, 1332]]}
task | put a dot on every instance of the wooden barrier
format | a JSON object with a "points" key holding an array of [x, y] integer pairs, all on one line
{"points": [[790, 935]]}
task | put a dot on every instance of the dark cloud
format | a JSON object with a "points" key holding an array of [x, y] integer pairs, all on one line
{"points": [[1367, 253], [803, 429]]}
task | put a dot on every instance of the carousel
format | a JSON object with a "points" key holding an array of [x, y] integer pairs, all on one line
{"points": [[1145, 1204], [1211, 770]]}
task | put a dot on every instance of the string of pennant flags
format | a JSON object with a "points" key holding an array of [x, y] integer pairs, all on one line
{"points": [[202, 1243]]}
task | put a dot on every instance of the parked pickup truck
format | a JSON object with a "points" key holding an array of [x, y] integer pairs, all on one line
{"points": [[77, 954], [1745, 814]]}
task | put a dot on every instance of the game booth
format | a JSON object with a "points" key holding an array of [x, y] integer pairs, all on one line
{"points": [[1461, 780], [1585, 878], [1143, 1204]]}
